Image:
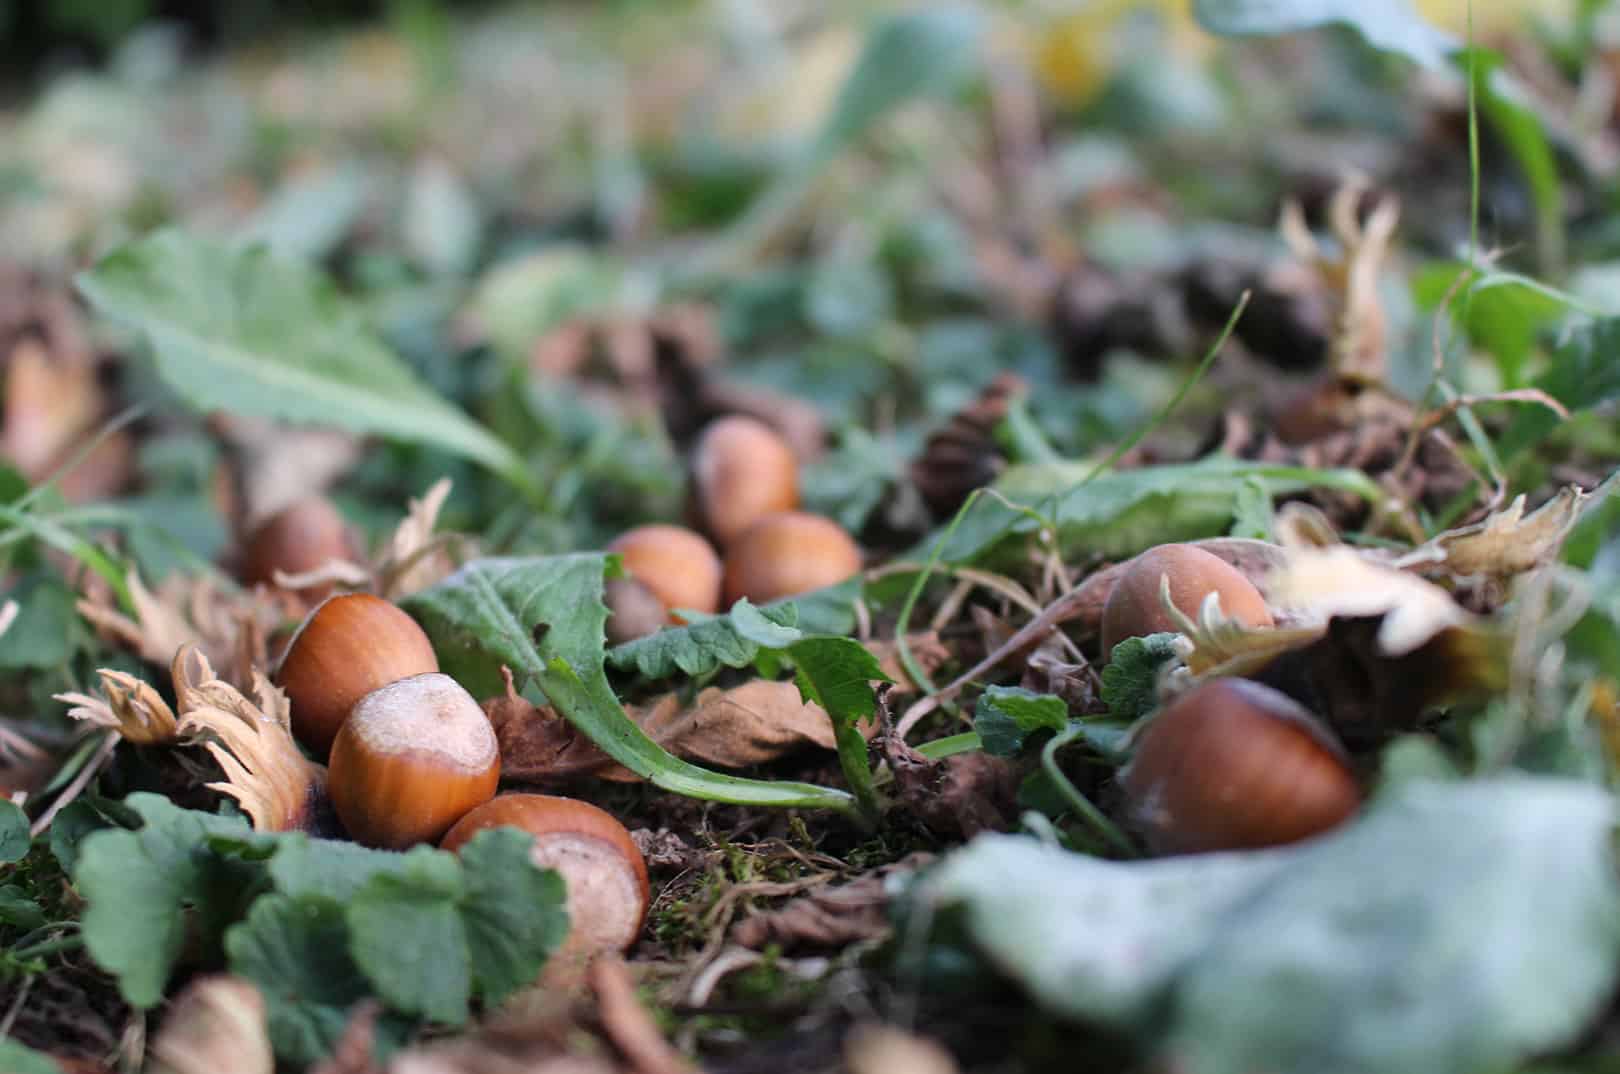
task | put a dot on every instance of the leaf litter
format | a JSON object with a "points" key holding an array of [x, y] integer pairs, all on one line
{"points": [[882, 819]]}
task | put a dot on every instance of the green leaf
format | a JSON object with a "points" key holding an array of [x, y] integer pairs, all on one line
{"points": [[514, 913], [1583, 374], [1007, 715], [47, 623], [235, 329], [140, 885], [542, 617], [1390, 25], [83, 816], [408, 939], [17, 1059], [1457, 927], [14, 837], [297, 951], [1121, 513], [908, 55], [1502, 314], [837, 674], [732, 640], [1131, 679], [18, 910], [330, 867]]}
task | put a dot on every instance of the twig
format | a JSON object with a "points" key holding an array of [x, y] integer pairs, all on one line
{"points": [[627, 1022], [80, 781]]}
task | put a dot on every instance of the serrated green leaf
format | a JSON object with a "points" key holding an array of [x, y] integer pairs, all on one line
{"points": [[837, 674], [732, 640], [297, 951], [1006, 715], [408, 938], [143, 887], [233, 328], [1391, 25], [1130, 681], [542, 617], [14, 837], [514, 913]]}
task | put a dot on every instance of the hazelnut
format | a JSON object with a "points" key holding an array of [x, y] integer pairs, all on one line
{"points": [[1233, 764], [605, 873], [674, 564], [1134, 608], [742, 470], [413, 758], [786, 554], [348, 646], [301, 537]]}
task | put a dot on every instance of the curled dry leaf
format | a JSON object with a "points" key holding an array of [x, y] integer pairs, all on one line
{"points": [[628, 1024], [231, 628], [927, 649], [831, 916], [745, 725], [414, 559], [50, 402], [218, 1023], [1507, 543], [275, 784], [961, 795], [132, 708]]}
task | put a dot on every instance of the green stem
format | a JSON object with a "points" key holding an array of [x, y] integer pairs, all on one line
{"points": [[951, 745], [70, 543], [857, 772], [1093, 816], [69, 942], [1181, 393]]}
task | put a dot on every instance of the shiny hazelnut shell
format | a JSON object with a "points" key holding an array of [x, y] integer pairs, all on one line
{"points": [[348, 646], [604, 871], [679, 566], [1233, 764], [742, 470], [1134, 610], [301, 537], [786, 554], [413, 758]]}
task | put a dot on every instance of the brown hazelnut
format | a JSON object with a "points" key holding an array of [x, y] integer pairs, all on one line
{"points": [[742, 470], [786, 554], [605, 873], [348, 646], [676, 565], [1134, 608], [301, 537], [1234, 764], [413, 758]]}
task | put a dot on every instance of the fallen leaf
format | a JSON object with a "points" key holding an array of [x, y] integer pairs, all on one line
{"points": [[218, 1023], [884, 1049], [1507, 543], [831, 916]]}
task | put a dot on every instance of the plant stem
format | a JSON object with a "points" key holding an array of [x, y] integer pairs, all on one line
{"points": [[1082, 805], [852, 758]]}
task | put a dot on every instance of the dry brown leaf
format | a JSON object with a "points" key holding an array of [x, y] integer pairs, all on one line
{"points": [[414, 559], [745, 725], [132, 708], [1507, 543], [251, 740], [927, 650], [50, 403], [271, 465], [628, 1024], [885, 1049], [218, 1023], [230, 628], [830, 916], [961, 795]]}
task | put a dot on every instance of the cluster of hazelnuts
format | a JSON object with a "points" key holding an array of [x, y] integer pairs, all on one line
{"points": [[1231, 764], [414, 759], [745, 495]]}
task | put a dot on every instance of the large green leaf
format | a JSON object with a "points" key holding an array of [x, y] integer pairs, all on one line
{"points": [[1119, 514], [1457, 927], [1584, 373], [1390, 25], [234, 328], [542, 618]]}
